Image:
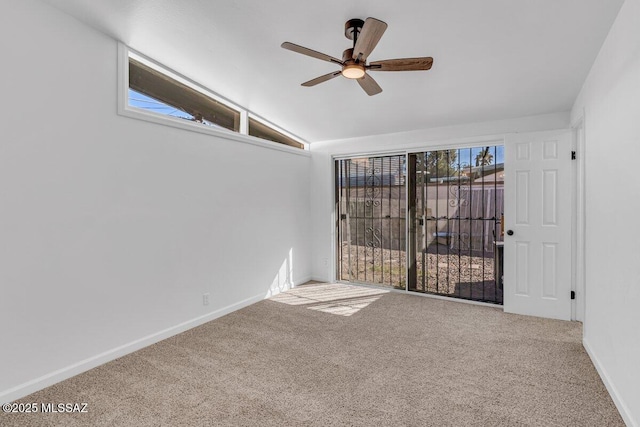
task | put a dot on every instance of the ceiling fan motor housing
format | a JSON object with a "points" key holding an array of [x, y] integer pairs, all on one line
{"points": [[347, 56]]}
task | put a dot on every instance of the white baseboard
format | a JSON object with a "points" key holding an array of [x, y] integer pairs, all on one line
{"points": [[613, 392], [277, 288], [34, 385]]}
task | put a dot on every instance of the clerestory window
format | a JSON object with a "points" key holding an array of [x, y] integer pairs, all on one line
{"points": [[154, 92]]}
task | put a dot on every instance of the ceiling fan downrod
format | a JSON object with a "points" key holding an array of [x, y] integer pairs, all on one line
{"points": [[352, 29]]}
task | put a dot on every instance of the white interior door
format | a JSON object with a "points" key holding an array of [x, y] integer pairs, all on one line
{"points": [[537, 257]]}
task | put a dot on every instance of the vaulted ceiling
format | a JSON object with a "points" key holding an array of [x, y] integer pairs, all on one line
{"points": [[493, 59]]}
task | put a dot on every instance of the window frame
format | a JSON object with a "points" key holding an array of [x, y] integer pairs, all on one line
{"points": [[277, 129], [126, 110]]}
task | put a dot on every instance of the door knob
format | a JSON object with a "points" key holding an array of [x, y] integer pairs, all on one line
{"points": [[510, 232]]}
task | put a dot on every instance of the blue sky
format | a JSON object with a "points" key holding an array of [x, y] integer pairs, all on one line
{"points": [[496, 151], [138, 100]]}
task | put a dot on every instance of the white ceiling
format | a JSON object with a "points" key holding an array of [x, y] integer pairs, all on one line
{"points": [[493, 59]]}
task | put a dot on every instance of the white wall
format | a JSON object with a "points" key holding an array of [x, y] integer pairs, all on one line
{"points": [[610, 101], [322, 179], [112, 229]]}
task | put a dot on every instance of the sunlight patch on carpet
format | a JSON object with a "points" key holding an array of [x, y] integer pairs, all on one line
{"points": [[339, 299]]}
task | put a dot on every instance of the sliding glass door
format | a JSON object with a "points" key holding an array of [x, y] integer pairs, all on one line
{"points": [[371, 220], [426, 222]]}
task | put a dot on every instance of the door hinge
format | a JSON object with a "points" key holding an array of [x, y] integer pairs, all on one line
{"points": [[343, 216], [573, 294], [573, 155]]}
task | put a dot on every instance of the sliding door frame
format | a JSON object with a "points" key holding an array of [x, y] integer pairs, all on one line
{"points": [[435, 146]]}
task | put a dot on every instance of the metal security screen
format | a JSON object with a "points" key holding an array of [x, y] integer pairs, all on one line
{"points": [[426, 222], [371, 220], [456, 202]]}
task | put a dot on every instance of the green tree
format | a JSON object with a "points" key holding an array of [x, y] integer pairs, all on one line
{"points": [[440, 164], [484, 157]]}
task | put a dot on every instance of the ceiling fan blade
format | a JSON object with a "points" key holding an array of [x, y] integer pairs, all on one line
{"points": [[369, 85], [321, 79], [369, 36], [309, 52], [404, 64]]}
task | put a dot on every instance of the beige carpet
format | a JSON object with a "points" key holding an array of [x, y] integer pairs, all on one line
{"points": [[341, 355]]}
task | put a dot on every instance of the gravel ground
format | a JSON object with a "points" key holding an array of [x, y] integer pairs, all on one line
{"points": [[464, 276]]}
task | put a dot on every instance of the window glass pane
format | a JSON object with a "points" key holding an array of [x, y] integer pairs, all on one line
{"points": [[260, 130], [151, 90], [140, 100]]}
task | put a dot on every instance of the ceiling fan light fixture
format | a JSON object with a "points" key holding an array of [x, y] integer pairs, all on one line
{"points": [[353, 71]]}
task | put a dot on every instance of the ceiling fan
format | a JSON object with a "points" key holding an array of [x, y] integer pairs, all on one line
{"points": [[365, 36]]}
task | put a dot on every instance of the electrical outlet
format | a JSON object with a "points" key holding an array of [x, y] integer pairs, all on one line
{"points": [[325, 261], [205, 299]]}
